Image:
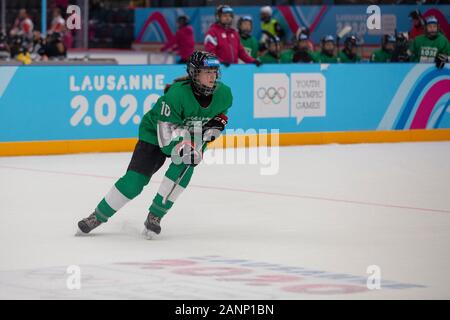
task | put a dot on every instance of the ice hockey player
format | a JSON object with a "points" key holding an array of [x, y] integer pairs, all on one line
{"points": [[326, 53], [249, 42], [387, 49], [349, 54], [300, 52], [190, 113], [272, 55], [432, 46]]}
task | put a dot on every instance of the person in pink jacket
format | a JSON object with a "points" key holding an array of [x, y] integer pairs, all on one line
{"points": [[183, 41], [224, 41]]}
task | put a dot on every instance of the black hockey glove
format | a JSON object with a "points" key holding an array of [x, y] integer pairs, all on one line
{"points": [[257, 62], [188, 153], [214, 127], [440, 60]]}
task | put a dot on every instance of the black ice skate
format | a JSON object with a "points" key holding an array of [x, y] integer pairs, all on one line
{"points": [[152, 226], [88, 224]]}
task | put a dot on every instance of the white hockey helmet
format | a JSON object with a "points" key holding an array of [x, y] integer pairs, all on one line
{"points": [[267, 10]]}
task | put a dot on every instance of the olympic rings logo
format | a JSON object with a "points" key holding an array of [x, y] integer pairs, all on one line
{"points": [[271, 94]]}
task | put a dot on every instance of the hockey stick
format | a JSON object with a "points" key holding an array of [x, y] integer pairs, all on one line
{"points": [[346, 29], [179, 179]]}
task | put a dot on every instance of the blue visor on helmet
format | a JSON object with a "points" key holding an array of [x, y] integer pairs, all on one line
{"points": [[226, 10], [211, 63], [390, 39], [303, 36], [328, 38]]}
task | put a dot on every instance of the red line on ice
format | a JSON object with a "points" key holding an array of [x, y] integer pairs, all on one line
{"points": [[291, 195]]}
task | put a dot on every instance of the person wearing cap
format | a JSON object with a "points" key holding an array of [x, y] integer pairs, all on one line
{"points": [[183, 42], [272, 55], [432, 46], [349, 54], [300, 52], [305, 31], [249, 42], [223, 41], [23, 26], [326, 53], [269, 25], [384, 54]]}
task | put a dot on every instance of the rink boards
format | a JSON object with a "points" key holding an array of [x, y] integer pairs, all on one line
{"points": [[69, 109]]}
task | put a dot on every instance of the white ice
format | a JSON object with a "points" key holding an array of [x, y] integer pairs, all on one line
{"points": [[310, 231]]}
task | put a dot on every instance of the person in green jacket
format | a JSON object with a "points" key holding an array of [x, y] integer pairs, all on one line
{"points": [[300, 52], [432, 46], [249, 42], [326, 53], [384, 54], [349, 53], [272, 55]]}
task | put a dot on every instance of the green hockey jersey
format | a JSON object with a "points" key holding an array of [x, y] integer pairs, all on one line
{"points": [[381, 55], [287, 56], [250, 45], [344, 58], [268, 58], [320, 57], [424, 49], [178, 111]]}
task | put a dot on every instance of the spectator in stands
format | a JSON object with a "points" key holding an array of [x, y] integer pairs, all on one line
{"points": [[269, 25], [183, 42], [38, 44], [23, 26], [5, 51], [326, 53], [349, 53], [223, 41], [53, 47], [417, 24], [384, 54], [301, 51], [24, 56], [16, 44], [272, 55], [58, 22], [59, 25], [250, 44], [19, 49]]}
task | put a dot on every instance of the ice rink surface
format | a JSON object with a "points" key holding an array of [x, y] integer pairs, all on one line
{"points": [[311, 231]]}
